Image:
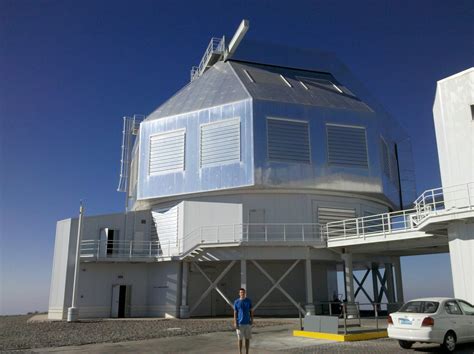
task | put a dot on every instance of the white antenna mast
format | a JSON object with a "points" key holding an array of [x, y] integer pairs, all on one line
{"points": [[237, 38]]}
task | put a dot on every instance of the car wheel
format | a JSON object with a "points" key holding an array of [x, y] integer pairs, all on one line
{"points": [[449, 343], [405, 344]]}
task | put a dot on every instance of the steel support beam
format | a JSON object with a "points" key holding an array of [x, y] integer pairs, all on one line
{"points": [[375, 285], [243, 273], [348, 274], [390, 283], [383, 289], [184, 308], [276, 285], [360, 285], [309, 288], [213, 285], [398, 279]]}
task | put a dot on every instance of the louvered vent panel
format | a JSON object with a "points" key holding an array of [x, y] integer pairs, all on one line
{"points": [[288, 141], [347, 146], [326, 215], [167, 152], [220, 142]]}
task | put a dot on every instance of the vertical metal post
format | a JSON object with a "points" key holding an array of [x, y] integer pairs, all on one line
{"points": [[243, 273], [149, 249], [363, 227], [233, 232], [344, 311], [302, 232], [468, 197], [284, 232], [98, 249], [217, 234], [376, 312], [131, 249], [433, 199], [72, 312], [266, 232]]}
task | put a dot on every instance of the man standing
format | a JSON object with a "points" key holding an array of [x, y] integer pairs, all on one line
{"points": [[243, 319]]}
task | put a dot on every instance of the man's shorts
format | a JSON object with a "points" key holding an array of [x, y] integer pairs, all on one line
{"points": [[244, 332]]}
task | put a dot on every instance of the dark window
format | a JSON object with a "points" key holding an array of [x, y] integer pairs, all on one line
{"points": [[452, 308], [472, 111], [420, 307]]}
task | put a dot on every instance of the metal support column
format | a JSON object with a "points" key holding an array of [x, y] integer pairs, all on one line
{"points": [[184, 308], [375, 285], [398, 279], [349, 277], [390, 283], [309, 288], [243, 273]]}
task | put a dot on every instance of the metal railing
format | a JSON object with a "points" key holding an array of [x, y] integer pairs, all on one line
{"points": [[127, 249], [218, 234], [429, 203], [347, 311], [216, 46], [437, 200], [205, 235], [380, 224]]}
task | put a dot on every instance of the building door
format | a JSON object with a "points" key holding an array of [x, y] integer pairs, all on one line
{"points": [[120, 301], [109, 239]]}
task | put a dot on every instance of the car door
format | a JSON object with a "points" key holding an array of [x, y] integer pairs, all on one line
{"points": [[457, 320], [468, 311]]}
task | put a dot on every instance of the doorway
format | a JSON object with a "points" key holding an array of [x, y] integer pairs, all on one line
{"points": [[120, 301]]}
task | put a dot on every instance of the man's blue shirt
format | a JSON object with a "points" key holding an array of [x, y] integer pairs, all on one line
{"points": [[243, 307]]}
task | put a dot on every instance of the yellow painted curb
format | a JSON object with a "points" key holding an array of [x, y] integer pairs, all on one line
{"points": [[341, 337]]}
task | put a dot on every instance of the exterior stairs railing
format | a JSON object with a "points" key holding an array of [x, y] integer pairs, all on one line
{"points": [[213, 52], [433, 202]]}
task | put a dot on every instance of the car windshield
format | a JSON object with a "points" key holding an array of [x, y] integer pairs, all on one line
{"points": [[420, 307]]}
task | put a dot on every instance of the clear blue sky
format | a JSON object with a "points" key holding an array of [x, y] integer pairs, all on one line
{"points": [[69, 70]]}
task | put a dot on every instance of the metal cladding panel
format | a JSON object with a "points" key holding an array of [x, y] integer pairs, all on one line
{"points": [[385, 156], [347, 146], [220, 142], [297, 86], [217, 86], [364, 177], [166, 223], [288, 141], [166, 152], [196, 178]]}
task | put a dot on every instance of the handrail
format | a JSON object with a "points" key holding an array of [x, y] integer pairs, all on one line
{"points": [[216, 45], [214, 234], [431, 202]]}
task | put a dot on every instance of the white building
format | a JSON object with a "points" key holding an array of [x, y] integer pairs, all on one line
{"points": [[231, 183]]}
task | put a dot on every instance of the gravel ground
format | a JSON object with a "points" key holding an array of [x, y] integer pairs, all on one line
{"points": [[16, 333]]}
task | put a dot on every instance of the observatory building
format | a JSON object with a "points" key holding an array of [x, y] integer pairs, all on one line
{"points": [[273, 170]]}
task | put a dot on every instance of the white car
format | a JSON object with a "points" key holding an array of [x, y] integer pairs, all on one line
{"points": [[444, 321]]}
